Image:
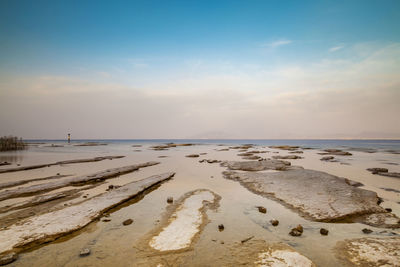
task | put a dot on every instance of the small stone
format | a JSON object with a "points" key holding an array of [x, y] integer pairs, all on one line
{"points": [[222, 242], [323, 231], [170, 200], [262, 209], [84, 252], [212, 176], [127, 222], [58, 173], [388, 209], [221, 227], [106, 220], [274, 222], [367, 231], [111, 186], [84, 196], [8, 258], [295, 232], [299, 228]]}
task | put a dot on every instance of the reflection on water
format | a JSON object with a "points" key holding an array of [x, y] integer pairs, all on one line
{"points": [[14, 157], [113, 244]]}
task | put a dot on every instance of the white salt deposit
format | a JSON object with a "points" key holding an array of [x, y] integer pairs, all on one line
{"points": [[184, 223]]}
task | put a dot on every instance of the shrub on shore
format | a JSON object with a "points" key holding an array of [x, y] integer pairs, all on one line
{"points": [[8, 143]]}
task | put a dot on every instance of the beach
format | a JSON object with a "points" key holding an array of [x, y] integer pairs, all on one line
{"points": [[155, 189]]}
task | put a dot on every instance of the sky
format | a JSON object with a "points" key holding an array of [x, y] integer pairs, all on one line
{"points": [[200, 69]]}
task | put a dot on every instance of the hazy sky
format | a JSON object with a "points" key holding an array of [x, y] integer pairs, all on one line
{"points": [[200, 69]]}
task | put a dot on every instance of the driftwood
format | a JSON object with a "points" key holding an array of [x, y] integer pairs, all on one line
{"points": [[38, 166], [46, 227], [99, 176]]}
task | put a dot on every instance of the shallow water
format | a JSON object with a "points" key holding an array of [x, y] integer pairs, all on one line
{"points": [[113, 244]]}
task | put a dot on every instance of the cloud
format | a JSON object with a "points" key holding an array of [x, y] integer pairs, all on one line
{"points": [[355, 97], [336, 48], [277, 43]]}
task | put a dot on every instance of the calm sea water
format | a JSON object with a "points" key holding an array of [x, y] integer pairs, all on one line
{"points": [[380, 145]]}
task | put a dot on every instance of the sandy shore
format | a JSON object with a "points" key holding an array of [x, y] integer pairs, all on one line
{"points": [[210, 220]]}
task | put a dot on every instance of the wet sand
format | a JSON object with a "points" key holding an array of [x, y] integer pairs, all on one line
{"points": [[112, 243]]}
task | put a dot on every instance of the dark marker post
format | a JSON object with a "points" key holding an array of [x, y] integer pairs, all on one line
{"points": [[69, 138]]}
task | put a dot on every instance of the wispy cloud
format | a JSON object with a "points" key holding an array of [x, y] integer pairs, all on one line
{"points": [[336, 48], [278, 43]]}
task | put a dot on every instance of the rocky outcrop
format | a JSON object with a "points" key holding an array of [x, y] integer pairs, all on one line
{"points": [[98, 176], [336, 152], [314, 194], [21, 182], [31, 167], [290, 148], [369, 251], [168, 146], [268, 164], [287, 157], [384, 172], [49, 226]]}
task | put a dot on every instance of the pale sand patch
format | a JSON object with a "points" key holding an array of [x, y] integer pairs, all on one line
{"points": [[184, 223], [282, 258]]}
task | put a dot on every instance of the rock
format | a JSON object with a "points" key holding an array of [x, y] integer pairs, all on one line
{"points": [[106, 220], [221, 227], [353, 183], [268, 164], [314, 194], [337, 152], [291, 148], [299, 228], [274, 222], [367, 231], [254, 157], [80, 180], [388, 209], [84, 252], [127, 222], [45, 227], [262, 209], [327, 158], [193, 156], [8, 258], [213, 161], [170, 200], [287, 157], [295, 232], [369, 251], [377, 170], [323, 231], [246, 154], [390, 190], [385, 219], [296, 152], [390, 174], [111, 186]]}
